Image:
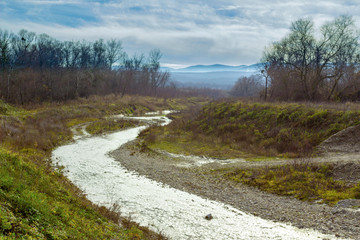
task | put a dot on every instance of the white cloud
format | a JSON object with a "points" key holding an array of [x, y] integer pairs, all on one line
{"points": [[187, 32], [53, 1]]}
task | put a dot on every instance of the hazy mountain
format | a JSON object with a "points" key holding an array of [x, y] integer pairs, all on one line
{"points": [[211, 76], [216, 68]]}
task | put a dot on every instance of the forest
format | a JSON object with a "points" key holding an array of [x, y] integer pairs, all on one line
{"points": [[55, 93], [308, 64], [314, 65], [36, 68]]}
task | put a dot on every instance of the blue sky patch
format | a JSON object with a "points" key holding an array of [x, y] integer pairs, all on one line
{"points": [[188, 32]]}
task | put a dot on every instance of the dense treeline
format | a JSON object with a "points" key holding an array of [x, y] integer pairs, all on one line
{"points": [[35, 68], [314, 66]]}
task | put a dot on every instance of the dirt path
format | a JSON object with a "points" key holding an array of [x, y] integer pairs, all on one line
{"points": [[340, 221]]}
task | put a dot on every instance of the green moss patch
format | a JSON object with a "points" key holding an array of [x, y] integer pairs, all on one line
{"points": [[37, 201], [109, 125], [35, 205], [303, 181], [238, 129]]}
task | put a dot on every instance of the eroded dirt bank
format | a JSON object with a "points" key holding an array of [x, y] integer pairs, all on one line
{"points": [[340, 221]]}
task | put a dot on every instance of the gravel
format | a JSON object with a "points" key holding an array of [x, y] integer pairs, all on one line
{"points": [[339, 220]]}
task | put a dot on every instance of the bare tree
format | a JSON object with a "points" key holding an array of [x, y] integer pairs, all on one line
{"points": [[247, 86], [5, 39], [39, 67], [339, 45], [99, 54], [313, 65], [157, 77], [5, 58], [113, 51]]}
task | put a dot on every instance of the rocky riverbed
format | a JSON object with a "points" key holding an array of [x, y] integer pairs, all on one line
{"points": [[341, 220], [176, 195]]}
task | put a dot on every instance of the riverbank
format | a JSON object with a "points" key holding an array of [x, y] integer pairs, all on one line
{"points": [[338, 221], [36, 200], [236, 128], [174, 213]]}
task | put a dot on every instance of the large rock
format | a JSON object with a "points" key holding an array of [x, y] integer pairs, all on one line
{"points": [[345, 141]]}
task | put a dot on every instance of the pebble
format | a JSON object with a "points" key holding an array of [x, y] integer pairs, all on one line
{"points": [[250, 200]]}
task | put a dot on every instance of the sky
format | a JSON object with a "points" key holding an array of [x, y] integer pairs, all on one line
{"points": [[188, 32]]}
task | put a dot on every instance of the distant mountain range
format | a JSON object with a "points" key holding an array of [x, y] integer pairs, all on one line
{"points": [[215, 68], [210, 76]]}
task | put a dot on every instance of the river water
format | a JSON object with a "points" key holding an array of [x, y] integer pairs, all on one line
{"points": [[174, 213]]}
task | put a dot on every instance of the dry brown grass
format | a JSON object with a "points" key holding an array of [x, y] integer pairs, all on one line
{"points": [[34, 131], [230, 128]]}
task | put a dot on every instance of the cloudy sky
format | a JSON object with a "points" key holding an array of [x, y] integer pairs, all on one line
{"points": [[187, 32]]}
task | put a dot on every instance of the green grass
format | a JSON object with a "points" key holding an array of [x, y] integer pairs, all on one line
{"points": [[262, 159], [37, 201], [262, 132], [78, 121], [109, 125], [34, 204], [233, 129], [9, 110], [303, 181]]}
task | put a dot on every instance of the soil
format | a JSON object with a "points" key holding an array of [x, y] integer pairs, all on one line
{"points": [[342, 220]]}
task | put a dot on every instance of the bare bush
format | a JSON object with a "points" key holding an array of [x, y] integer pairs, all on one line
{"points": [[304, 67], [247, 86]]}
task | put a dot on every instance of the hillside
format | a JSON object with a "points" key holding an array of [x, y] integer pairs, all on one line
{"points": [[276, 171], [217, 68], [232, 129], [36, 200], [216, 76]]}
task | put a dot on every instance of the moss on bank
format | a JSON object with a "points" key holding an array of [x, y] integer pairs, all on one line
{"points": [[260, 132], [109, 125], [304, 181], [37, 201], [231, 129]]}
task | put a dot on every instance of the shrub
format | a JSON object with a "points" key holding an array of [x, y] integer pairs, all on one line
{"points": [[257, 128], [300, 179]]}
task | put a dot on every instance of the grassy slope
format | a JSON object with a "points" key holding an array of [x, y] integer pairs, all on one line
{"points": [[237, 129], [302, 180], [227, 129], [37, 201], [109, 125]]}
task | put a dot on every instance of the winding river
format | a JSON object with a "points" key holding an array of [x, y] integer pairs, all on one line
{"points": [[174, 213]]}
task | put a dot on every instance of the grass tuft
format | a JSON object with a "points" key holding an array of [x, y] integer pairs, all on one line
{"points": [[301, 180], [109, 125], [233, 129], [36, 200]]}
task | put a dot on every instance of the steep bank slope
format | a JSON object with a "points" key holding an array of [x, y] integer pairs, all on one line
{"points": [[36, 200], [232, 129], [203, 182]]}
